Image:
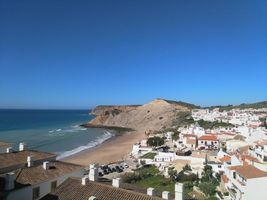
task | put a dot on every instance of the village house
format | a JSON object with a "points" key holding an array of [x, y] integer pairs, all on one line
{"points": [[208, 141], [245, 182], [189, 141], [259, 150]]}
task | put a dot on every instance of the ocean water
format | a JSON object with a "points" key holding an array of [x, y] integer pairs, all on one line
{"points": [[56, 131]]}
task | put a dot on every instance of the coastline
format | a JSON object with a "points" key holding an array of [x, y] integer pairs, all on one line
{"points": [[112, 150]]}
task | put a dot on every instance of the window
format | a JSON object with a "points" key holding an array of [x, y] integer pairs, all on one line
{"points": [[234, 175], [53, 186], [36, 193]]}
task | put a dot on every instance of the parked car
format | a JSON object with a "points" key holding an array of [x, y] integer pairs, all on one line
{"points": [[118, 170], [109, 170]]}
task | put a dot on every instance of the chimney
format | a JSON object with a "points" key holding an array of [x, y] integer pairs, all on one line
{"points": [[116, 182], [93, 172], [46, 165], [9, 150], [166, 195], [92, 198], [150, 191], [10, 181], [179, 191], [29, 161], [85, 180], [22, 146]]}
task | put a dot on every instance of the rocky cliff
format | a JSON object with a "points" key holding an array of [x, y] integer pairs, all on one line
{"points": [[155, 115]]}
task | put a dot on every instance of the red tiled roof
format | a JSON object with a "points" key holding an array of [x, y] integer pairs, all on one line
{"points": [[249, 158], [208, 137], [261, 142], [189, 135], [72, 189], [249, 171], [225, 159], [225, 179]]}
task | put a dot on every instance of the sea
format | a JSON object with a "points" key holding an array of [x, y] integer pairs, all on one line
{"points": [[56, 131]]}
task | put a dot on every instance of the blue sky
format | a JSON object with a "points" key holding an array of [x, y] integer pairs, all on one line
{"points": [[79, 53]]}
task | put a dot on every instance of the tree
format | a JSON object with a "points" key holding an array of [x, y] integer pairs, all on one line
{"points": [[187, 168], [213, 198], [175, 135], [208, 188], [155, 141], [142, 162], [207, 174], [172, 173]]}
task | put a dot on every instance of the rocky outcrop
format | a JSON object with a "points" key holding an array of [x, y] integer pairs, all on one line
{"points": [[155, 115]]}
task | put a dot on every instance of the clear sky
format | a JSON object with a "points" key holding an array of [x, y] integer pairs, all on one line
{"points": [[80, 53]]}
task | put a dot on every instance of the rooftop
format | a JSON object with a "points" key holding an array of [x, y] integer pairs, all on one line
{"points": [[261, 142], [249, 171], [225, 159], [20, 157], [72, 189], [5, 144], [208, 137], [37, 174]]}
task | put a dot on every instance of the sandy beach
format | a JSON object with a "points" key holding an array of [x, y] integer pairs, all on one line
{"points": [[112, 150]]}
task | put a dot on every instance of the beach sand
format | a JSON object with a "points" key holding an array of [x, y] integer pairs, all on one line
{"points": [[110, 151]]}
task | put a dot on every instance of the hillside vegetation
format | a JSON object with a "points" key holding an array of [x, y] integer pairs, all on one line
{"points": [[257, 105]]}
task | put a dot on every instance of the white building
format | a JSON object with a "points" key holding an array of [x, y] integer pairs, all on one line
{"points": [[139, 150], [208, 142], [259, 150], [165, 157], [246, 182]]}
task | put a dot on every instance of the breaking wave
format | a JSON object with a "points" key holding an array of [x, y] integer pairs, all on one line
{"points": [[61, 132], [107, 135]]}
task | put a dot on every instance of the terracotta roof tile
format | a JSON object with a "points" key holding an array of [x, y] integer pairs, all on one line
{"points": [[4, 144], [249, 171], [20, 157], [37, 174], [208, 137], [261, 142], [72, 189], [225, 179], [225, 159]]}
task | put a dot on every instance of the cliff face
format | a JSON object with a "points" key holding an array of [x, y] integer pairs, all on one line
{"points": [[152, 116]]}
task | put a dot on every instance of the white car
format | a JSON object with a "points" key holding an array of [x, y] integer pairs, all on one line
{"points": [[126, 166]]}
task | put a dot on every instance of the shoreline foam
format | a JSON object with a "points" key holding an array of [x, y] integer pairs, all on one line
{"points": [[111, 150], [98, 141]]}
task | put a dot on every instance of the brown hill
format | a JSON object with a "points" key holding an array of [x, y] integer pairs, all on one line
{"points": [[155, 115]]}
